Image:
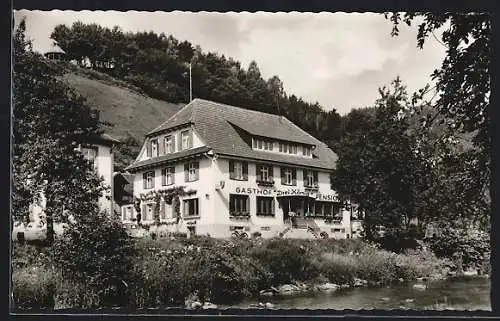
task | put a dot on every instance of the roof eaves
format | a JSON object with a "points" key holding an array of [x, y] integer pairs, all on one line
{"points": [[154, 162]]}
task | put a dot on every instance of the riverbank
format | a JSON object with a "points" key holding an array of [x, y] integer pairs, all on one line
{"points": [[203, 271]]}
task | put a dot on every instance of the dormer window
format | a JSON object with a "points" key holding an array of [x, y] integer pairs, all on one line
{"points": [[152, 148], [306, 151], [262, 144], [169, 144], [186, 139]]}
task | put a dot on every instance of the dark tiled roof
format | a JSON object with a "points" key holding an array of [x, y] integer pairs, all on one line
{"points": [[165, 158], [218, 124]]}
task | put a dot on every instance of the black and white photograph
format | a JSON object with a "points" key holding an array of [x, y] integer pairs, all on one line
{"points": [[256, 161]]}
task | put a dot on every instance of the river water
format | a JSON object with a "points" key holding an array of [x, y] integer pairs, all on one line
{"points": [[455, 294]]}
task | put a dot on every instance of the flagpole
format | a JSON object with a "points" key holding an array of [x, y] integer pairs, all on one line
{"points": [[190, 85]]}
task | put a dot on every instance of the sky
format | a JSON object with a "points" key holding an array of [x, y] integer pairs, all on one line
{"points": [[337, 59]]}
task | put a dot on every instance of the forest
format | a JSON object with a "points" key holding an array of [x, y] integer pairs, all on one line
{"points": [[159, 65]]}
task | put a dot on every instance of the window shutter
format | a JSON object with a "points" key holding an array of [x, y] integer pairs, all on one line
{"points": [[148, 147], [143, 211], [247, 205], [173, 143], [294, 177], [190, 135], [315, 178], [245, 171], [272, 205], [197, 166], [257, 172], [144, 180], [172, 170], [161, 147], [186, 172], [283, 178], [164, 176], [231, 169], [153, 179], [271, 175], [180, 142]]}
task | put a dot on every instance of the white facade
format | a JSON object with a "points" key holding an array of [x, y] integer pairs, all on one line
{"points": [[214, 188]]}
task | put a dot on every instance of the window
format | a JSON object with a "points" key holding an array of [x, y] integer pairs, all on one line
{"points": [[262, 144], [306, 151], [323, 209], [90, 154], [148, 179], [288, 176], [169, 144], [238, 170], [148, 215], [265, 205], [191, 171], [167, 175], [186, 139], [153, 148], [264, 173], [310, 178], [292, 149], [190, 207], [238, 204]]}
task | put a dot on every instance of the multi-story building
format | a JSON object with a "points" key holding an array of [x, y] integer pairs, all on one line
{"points": [[244, 171], [99, 152]]}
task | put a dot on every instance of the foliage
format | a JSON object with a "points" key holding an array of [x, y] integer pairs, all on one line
{"points": [[463, 87], [285, 260], [49, 122], [165, 272], [159, 65], [379, 167], [473, 245], [95, 251], [33, 287]]}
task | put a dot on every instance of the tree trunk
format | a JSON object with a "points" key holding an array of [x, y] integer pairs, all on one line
{"points": [[49, 236], [49, 208]]}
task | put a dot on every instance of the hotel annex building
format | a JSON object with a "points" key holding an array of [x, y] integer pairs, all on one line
{"points": [[245, 171]]}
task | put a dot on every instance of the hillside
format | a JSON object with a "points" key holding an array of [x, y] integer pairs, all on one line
{"points": [[131, 113]]}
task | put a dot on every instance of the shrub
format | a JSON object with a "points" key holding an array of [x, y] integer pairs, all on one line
{"points": [[339, 268], [474, 246], [285, 259], [95, 251], [33, 287]]}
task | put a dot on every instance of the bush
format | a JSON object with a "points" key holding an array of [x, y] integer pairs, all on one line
{"points": [[474, 246], [33, 288], [96, 251], [338, 268], [285, 259]]}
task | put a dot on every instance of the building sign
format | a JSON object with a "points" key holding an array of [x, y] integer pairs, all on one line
{"points": [[288, 192]]}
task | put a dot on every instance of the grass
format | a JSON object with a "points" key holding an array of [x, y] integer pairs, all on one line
{"points": [[131, 112], [165, 272]]}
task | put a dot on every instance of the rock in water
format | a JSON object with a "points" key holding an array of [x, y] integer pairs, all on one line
{"points": [[196, 305], [328, 287], [409, 300], [209, 305], [288, 289], [269, 305], [420, 286], [385, 299]]}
